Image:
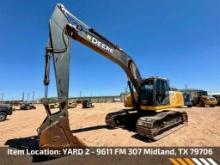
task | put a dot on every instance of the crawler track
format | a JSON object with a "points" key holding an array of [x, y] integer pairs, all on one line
{"points": [[153, 127], [124, 118], [160, 125]]}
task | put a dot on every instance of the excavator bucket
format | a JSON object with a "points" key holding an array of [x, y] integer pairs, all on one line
{"points": [[55, 132]]}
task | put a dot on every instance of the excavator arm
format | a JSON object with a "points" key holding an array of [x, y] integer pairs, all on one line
{"points": [[63, 26]]}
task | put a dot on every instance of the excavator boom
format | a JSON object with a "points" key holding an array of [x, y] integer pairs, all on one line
{"points": [[64, 26]]}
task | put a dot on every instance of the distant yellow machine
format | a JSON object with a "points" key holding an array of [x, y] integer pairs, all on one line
{"points": [[198, 97]]}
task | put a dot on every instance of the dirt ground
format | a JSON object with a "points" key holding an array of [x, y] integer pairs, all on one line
{"points": [[203, 128]]}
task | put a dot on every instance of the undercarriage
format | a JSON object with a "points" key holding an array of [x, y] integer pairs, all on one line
{"points": [[150, 125]]}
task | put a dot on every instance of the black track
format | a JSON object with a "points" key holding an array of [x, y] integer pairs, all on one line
{"points": [[150, 126]]}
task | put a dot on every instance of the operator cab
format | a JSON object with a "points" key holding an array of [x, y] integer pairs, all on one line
{"points": [[155, 91], [202, 93]]}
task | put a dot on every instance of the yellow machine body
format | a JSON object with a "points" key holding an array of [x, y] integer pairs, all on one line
{"points": [[175, 100]]}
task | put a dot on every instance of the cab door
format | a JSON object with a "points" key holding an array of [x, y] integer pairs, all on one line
{"points": [[162, 92]]}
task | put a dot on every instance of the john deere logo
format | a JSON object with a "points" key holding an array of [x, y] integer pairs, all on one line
{"points": [[99, 44]]}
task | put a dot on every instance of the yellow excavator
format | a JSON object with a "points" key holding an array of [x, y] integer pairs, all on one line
{"points": [[149, 99]]}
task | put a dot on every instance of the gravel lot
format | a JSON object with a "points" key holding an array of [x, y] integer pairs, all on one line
{"points": [[203, 128]]}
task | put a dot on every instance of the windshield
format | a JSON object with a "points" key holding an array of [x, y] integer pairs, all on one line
{"points": [[202, 93], [147, 89]]}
